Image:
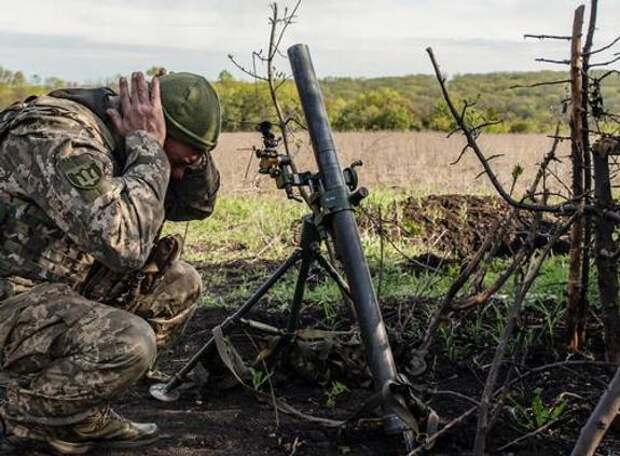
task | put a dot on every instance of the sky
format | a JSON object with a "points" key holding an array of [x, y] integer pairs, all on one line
{"points": [[89, 40]]}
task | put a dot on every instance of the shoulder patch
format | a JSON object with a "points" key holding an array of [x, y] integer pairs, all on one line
{"points": [[82, 171]]}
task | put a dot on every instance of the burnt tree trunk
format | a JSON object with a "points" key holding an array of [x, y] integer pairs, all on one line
{"points": [[574, 298], [582, 311], [606, 262]]}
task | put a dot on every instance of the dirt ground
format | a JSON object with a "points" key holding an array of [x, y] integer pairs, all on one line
{"points": [[237, 423], [456, 225]]}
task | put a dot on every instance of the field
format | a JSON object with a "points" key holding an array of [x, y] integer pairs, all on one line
{"points": [[436, 216], [413, 162]]}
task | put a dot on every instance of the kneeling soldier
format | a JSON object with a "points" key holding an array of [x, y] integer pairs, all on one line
{"points": [[87, 179]]}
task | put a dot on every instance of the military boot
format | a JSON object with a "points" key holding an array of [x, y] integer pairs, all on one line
{"points": [[104, 429]]}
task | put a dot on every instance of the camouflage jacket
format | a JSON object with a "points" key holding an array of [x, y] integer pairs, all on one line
{"points": [[71, 193]]}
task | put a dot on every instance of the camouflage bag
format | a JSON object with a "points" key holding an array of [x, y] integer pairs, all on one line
{"points": [[122, 289]]}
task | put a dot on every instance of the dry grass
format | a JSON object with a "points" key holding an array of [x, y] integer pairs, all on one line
{"points": [[416, 161]]}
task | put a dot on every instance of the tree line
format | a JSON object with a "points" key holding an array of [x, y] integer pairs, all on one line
{"points": [[389, 103]]}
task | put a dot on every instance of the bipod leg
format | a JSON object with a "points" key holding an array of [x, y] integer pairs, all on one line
{"points": [[167, 392], [310, 249], [334, 274], [300, 288]]}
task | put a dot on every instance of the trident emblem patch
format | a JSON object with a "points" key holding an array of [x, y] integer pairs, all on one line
{"points": [[82, 171]]}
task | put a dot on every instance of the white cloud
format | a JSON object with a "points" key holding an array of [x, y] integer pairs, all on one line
{"points": [[82, 39]]}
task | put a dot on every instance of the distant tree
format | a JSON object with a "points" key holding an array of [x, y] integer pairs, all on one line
{"points": [[6, 76], [382, 109], [18, 79], [225, 77]]}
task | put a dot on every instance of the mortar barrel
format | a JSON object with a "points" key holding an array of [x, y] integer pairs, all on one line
{"points": [[343, 227]]}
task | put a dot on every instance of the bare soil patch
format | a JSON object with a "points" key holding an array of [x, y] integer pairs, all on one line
{"points": [[455, 225]]}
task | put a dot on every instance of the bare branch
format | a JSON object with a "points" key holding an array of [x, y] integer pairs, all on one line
{"points": [[493, 157], [518, 258], [460, 155], [600, 420], [609, 62], [287, 20], [547, 37], [489, 123], [567, 208], [539, 84], [557, 62], [489, 387], [607, 74], [604, 48], [245, 70], [530, 434]]}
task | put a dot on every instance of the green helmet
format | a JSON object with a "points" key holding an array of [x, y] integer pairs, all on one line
{"points": [[192, 110]]}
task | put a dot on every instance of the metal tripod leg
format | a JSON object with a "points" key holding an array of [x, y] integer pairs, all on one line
{"points": [[334, 274], [310, 246], [300, 287], [167, 392]]}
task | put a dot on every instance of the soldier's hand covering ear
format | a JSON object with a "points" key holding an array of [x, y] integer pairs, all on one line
{"points": [[140, 110]]}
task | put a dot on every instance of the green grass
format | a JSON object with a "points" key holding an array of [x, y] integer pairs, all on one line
{"points": [[265, 226], [242, 227], [257, 229], [249, 235]]}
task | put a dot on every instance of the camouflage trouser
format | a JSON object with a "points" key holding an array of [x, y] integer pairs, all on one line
{"points": [[65, 356]]}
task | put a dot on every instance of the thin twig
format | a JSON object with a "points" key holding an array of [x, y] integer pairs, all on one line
{"points": [[556, 62], [539, 84], [455, 394], [547, 37], [609, 62], [245, 70], [531, 276], [604, 48]]}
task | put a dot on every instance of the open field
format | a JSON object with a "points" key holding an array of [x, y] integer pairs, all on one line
{"points": [[417, 162]]}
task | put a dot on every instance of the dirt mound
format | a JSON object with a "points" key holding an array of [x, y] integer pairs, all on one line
{"points": [[452, 225]]}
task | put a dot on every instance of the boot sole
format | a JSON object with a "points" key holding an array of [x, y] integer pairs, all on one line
{"points": [[63, 447]]}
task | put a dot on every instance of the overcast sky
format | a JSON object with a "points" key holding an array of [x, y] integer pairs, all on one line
{"points": [[91, 39]]}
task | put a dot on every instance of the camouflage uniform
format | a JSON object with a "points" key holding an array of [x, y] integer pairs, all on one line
{"points": [[72, 194]]}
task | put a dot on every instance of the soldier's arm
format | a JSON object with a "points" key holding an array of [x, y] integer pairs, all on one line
{"points": [[71, 177], [193, 197]]}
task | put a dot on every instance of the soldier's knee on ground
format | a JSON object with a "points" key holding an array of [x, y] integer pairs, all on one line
{"points": [[71, 355]]}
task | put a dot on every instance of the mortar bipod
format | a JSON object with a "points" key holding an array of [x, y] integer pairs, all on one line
{"points": [[307, 253]]}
